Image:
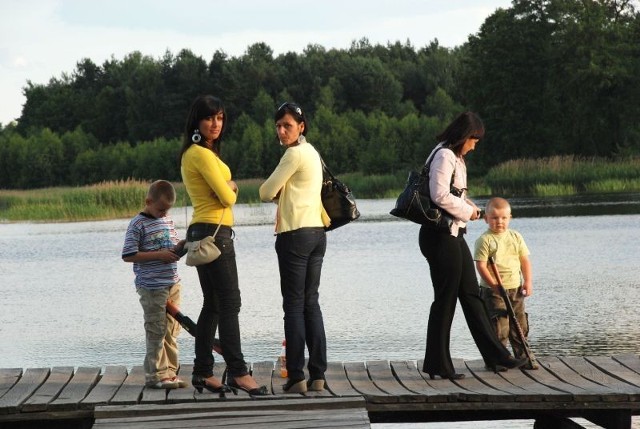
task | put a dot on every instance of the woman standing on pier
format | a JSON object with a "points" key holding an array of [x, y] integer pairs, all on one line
{"points": [[300, 244], [207, 180], [451, 265]]}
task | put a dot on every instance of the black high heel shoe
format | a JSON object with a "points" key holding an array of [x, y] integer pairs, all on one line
{"points": [[200, 383], [452, 376], [257, 391]]}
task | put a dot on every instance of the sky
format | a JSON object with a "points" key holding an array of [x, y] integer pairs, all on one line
{"points": [[42, 39]]}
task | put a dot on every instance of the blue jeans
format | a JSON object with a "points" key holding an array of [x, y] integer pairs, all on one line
{"points": [[300, 254], [220, 306]]}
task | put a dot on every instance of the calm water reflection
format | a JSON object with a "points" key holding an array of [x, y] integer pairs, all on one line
{"points": [[68, 299]]}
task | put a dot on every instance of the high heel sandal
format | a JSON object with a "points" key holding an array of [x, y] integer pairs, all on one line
{"points": [[256, 391], [199, 383], [452, 376]]}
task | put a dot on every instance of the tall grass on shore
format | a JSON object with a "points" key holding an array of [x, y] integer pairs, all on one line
{"points": [[564, 175]]}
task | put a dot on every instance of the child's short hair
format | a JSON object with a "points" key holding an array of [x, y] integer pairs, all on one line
{"points": [[162, 189], [497, 203]]}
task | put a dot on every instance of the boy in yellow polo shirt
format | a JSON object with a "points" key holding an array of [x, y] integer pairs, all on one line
{"points": [[512, 261]]}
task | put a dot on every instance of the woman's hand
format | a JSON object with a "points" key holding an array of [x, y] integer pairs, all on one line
{"points": [[232, 184]]}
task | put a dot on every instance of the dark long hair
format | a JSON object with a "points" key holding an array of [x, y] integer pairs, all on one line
{"points": [[202, 107], [466, 125]]}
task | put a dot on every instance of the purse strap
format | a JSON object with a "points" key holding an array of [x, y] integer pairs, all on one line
{"points": [[427, 166], [325, 169], [220, 224]]}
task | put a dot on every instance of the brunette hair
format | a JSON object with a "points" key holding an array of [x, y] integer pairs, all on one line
{"points": [[466, 125], [202, 107], [162, 189]]}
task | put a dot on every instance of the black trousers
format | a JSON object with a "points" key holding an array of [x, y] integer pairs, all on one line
{"points": [[220, 306], [454, 277]]}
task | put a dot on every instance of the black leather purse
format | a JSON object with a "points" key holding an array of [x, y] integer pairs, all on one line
{"points": [[337, 199], [414, 203]]}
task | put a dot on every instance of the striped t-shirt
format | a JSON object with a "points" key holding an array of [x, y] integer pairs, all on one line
{"points": [[147, 234]]}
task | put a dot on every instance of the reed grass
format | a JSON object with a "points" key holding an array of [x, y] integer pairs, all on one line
{"points": [[554, 176], [560, 175]]}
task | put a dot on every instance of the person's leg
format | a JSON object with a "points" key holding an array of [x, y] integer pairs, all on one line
{"points": [[227, 292], [443, 254], [172, 332], [207, 323], [517, 301], [314, 325], [497, 313], [475, 312], [155, 325], [293, 257]]}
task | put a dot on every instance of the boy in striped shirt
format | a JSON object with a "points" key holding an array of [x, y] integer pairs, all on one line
{"points": [[151, 244]]}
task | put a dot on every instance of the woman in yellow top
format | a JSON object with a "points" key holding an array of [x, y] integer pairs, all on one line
{"points": [[300, 244], [208, 182]]}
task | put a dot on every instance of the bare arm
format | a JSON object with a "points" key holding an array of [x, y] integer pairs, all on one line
{"points": [[525, 267], [485, 273]]}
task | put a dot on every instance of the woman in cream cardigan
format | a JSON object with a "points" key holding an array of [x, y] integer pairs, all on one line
{"points": [[300, 244]]}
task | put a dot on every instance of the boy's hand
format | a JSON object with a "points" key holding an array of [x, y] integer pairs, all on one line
{"points": [[167, 255], [527, 289], [179, 248]]}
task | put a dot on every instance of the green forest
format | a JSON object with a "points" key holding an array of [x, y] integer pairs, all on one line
{"points": [[549, 78]]}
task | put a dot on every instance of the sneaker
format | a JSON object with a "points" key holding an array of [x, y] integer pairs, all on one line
{"points": [[181, 383], [165, 383]]}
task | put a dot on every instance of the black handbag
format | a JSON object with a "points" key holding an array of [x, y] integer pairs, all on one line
{"points": [[337, 200], [414, 203]]}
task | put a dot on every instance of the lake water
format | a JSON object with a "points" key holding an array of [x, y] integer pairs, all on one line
{"points": [[68, 299]]}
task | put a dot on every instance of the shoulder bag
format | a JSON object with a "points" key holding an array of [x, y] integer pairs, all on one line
{"points": [[203, 251], [414, 203], [337, 199]]}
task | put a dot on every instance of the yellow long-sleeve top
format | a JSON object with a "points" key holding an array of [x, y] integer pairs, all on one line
{"points": [[205, 177], [296, 183]]}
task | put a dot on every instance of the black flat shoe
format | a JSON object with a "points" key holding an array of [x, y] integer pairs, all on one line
{"points": [[509, 363], [257, 391], [452, 376], [200, 383]]}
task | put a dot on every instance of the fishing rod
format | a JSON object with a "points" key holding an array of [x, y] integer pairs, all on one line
{"points": [[512, 313], [188, 324]]}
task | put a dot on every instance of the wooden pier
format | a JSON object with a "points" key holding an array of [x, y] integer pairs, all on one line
{"points": [[602, 389]]}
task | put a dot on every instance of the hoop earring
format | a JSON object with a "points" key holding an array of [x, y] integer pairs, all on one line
{"points": [[196, 137], [300, 139]]}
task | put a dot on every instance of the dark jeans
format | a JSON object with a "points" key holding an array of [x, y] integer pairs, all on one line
{"points": [[300, 255], [454, 277], [220, 306]]}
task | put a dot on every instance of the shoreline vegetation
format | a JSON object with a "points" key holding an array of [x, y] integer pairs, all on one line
{"points": [[547, 177]]}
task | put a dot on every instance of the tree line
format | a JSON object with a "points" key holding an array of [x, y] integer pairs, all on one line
{"points": [[549, 77]]}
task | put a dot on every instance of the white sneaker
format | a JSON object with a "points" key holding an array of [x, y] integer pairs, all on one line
{"points": [[165, 383]]}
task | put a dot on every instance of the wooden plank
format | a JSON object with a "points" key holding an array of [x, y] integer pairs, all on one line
{"points": [[51, 388], [407, 374], [544, 376], [582, 366], [618, 371], [76, 390], [299, 403], [520, 379], [337, 381], [351, 418], [131, 389], [359, 378], [8, 377], [109, 383], [630, 360], [381, 375], [500, 383], [478, 391], [557, 367], [185, 394], [262, 373], [27, 384]]}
